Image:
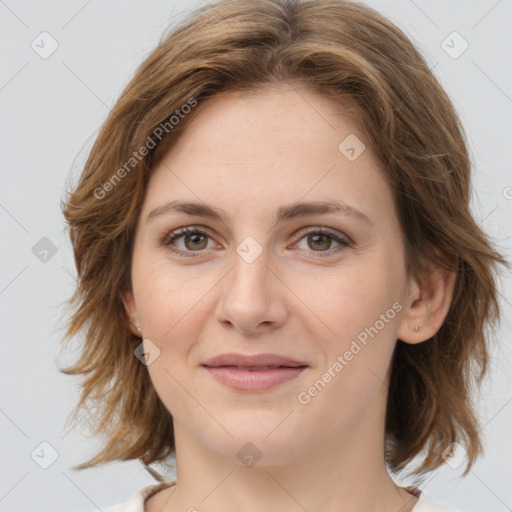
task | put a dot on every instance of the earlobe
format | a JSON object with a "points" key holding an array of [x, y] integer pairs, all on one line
{"points": [[131, 312], [427, 306]]}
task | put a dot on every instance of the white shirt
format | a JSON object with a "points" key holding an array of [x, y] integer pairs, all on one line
{"points": [[136, 502]]}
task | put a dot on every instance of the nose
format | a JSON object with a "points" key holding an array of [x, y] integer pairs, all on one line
{"points": [[252, 297]]}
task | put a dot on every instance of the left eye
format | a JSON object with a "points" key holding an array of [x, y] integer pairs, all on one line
{"points": [[320, 242], [195, 240]]}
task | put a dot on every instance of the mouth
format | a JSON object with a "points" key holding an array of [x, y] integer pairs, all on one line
{"points": [[254, 368], [253, 373]]}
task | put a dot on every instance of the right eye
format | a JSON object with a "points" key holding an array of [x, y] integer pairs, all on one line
{"points": [[192, 239]]}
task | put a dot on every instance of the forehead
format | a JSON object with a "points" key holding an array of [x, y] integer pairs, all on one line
{"points": [[262, 148], [284, 114]]}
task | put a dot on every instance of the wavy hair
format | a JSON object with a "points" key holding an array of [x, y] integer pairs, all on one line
{"points": [[353, 55]]}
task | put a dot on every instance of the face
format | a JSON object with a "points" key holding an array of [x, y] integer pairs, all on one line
{"points": [[261, 273]]}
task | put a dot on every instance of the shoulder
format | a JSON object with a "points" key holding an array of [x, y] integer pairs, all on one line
{"points": [[135, 502], [426, 504]]}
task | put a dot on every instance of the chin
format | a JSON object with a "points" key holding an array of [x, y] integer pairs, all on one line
{"points": [[267, 439]]}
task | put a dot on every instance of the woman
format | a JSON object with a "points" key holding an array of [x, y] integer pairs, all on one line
{"points": [[280, 281]]}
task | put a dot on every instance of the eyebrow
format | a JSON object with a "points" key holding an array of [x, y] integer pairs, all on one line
{"points": [[283, 213]]}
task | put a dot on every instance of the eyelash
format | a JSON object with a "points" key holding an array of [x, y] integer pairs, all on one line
{"points": [[344, 241]]}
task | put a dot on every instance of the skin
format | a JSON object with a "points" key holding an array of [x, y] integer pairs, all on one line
{"points": [[249, 155]]}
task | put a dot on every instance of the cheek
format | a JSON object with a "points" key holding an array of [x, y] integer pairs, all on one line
{"points": [[347, 299], [168, 295], [360, 304], [173, 310], [363, 313]]}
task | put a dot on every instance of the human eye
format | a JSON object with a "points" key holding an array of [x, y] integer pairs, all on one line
{"points": [[186, 241], [319, 240], [192, 241]]}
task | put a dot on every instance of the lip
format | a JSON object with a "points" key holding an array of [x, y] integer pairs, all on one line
{"points": [[252, 361], [253, 372]]}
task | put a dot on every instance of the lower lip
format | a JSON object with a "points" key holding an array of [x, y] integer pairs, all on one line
{"points": [[253, 380]]}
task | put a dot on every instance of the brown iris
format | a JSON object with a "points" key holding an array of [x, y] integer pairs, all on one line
{"points": [[317, 241], [199, 241]]}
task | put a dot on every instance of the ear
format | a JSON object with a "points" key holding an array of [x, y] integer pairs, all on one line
{"points": [[131, 312], [427, 305]]}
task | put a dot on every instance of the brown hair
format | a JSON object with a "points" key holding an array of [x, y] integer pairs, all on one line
{"points": [[352, 54]]}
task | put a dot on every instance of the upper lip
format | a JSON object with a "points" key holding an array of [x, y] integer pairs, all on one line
{"points": [[258, 360]]}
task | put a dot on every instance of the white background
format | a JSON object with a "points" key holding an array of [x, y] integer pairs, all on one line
{"points": [[51, 110]]}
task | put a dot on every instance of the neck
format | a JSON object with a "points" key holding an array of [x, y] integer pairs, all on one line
{"points": [[341, 472]]}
